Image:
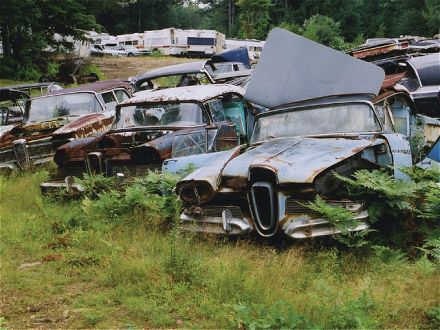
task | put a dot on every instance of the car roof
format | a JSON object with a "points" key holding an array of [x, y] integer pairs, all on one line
{"points": [[427, 67], [99, 86], [169, 70], [198, 93], [295, 69], [7, 93]]}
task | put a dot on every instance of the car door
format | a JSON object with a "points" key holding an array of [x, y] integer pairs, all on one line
{"points": [[223, 130]]}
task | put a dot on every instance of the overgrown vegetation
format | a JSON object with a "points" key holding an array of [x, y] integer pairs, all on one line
{"points": [[408, 210], [115, 259]]}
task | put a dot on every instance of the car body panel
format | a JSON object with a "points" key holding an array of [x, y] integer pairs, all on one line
{"points": [[297, 63]]}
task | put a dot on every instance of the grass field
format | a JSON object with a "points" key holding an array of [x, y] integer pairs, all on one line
{"points": [[92, 272]]}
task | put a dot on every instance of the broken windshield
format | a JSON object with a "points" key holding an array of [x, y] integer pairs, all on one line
{"points": [[161, 114], [332, 119], [55, 106]]}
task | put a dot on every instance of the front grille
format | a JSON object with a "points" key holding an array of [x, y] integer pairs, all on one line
{"points": [[298, 206], [264, 208], [294, 207], [132, 170], [216, 211]]}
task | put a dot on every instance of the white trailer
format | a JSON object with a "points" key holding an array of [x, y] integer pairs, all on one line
{"points": [[169, 41], [101, 38], [133, 39], [253, 46], [205, 43]]}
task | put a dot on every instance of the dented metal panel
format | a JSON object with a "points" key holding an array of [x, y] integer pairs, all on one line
{"points": [[183, 94], [302, 69], [401, 153], [295, 159]]}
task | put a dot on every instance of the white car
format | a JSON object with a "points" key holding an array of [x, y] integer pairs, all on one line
{"points": [[132, 51], [101, 50]]}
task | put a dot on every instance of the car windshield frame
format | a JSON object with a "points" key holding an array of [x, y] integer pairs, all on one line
{"points": [[296, 110], [205, 118], [30, 111]]}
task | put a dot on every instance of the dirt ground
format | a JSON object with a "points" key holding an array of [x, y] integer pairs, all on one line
{"points": [[124, 67]]}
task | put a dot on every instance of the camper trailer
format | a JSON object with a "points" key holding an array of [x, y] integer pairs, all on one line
{"points": [[102, 38], [253, 46], [205, 43], [133, 39], [168, 41]]}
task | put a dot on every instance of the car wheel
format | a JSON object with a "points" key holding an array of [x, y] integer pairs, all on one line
{"points": [[130, 54]]}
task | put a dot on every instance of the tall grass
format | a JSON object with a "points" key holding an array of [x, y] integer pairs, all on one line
{"points": [[131, 273]]}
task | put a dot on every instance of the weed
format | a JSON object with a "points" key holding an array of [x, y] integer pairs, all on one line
{"points": [[355, 314], [92, 318], [279, 315], [434, 317]]}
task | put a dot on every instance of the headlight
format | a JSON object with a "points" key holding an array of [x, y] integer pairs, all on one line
{"points": [[195, 192]]}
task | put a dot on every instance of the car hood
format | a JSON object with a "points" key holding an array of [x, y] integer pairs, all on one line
{"points": [[87, 124], [295, 69], [295, 160]]}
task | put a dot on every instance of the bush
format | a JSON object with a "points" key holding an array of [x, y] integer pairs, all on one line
{"points": [[409, 211], [149, 198]]}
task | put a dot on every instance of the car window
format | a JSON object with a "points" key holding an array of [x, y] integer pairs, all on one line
{"points": [[54, 106], [121, 95], [404, 121], [160, 114], [329, 119], [109, 100], [217, 110], [234, 109]]}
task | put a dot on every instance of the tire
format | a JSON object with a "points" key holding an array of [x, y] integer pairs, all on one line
{"points": [[130, 54]]}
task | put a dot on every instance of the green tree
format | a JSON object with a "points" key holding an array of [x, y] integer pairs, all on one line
{"points": [[324, 30], [254, 18], [431, 15], [28, 27]]}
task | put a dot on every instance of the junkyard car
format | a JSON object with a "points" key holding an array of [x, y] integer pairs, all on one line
{"points": [[192, 73], [13, 100], [59, 117], [12, 103], [423, 81], [319, 124], [432, 159], [153, 126]]}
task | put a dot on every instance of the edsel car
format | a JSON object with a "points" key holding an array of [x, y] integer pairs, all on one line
{"points": [[57, 118], [154, 126], [321, 121]]}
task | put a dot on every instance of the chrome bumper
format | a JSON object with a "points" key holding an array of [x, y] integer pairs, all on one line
{"points": [[304, 227], [215, 225], [51, 187]]}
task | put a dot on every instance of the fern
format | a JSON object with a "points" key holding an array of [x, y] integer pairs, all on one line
{"points": [[338, 216]]}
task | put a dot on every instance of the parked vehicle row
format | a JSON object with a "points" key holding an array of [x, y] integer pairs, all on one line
{"points": [[258, 154], [57, 117]]}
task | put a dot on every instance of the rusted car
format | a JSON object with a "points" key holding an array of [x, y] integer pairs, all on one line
{"points": [[13, 100], [154, 126], [321, 121], [12, 104], [193, 73], [57, 118]]}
